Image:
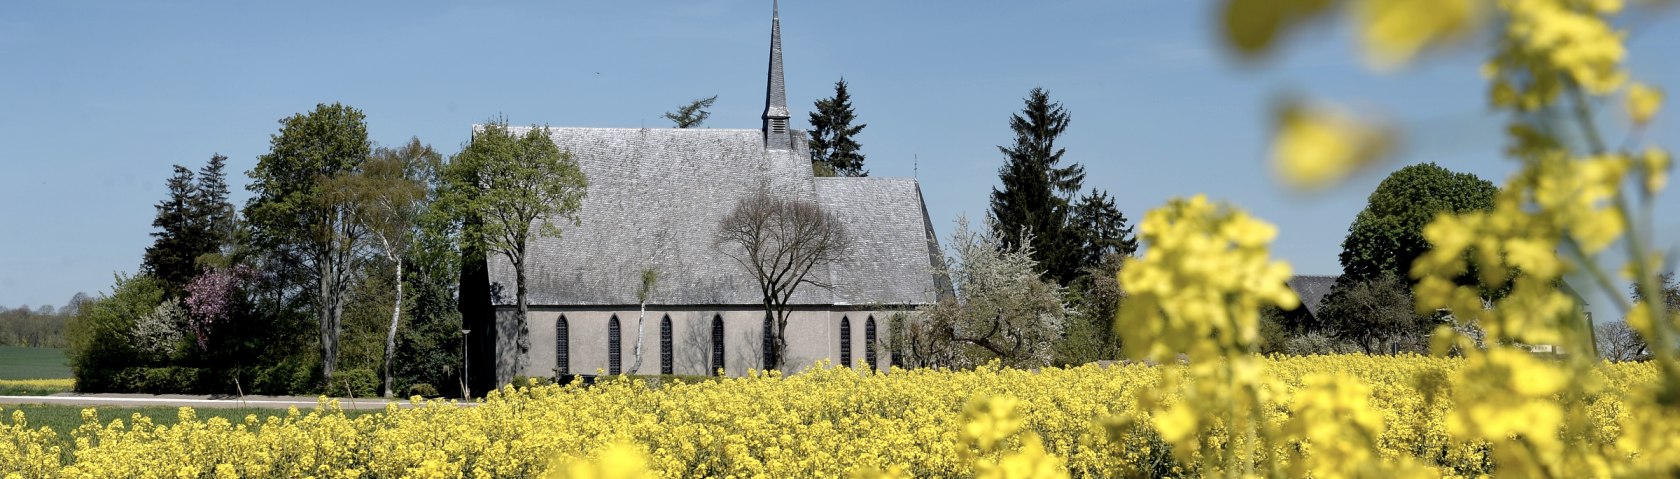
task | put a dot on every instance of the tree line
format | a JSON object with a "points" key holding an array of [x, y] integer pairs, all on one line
{"points": [[340, 275], [41, 327]]}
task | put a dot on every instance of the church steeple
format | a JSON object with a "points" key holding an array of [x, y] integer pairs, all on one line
{"points": [[775, 95]]}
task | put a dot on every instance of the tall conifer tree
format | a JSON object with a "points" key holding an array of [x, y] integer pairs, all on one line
{"points": [[212, 207], [172, 254], [1036, 191], [834, 150]]}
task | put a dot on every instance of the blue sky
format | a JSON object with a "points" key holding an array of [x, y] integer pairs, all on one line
{"points": [[98, 99]]}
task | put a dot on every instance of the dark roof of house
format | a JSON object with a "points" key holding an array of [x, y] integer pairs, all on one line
{"points": [[1311, 289], [656, 197]]}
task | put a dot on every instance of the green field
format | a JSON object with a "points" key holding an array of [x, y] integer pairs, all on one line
{"points": [[18, 362]]}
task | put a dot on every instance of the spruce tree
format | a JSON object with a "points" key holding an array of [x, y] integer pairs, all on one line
{"points": [[211, 205], [174, 251], [1101, 228], [834, 150], [1036, 191]]}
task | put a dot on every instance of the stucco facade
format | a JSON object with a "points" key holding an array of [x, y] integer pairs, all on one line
{"points": [[812, 335]]}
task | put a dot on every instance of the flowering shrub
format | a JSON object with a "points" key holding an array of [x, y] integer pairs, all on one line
{"points": [[212, 297]]}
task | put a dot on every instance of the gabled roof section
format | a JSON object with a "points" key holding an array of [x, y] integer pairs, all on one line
{"points": [[656, 197], [1312, 289], [893, 249]]}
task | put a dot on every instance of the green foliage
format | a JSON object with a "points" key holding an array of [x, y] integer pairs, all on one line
{"points": [[692, 114], [834, 148], [367, 312], [179, 238], [40, 328], [1375, 312], [429, 346], [1035, 193], [503, 189], [1388, 235], [298, 374], [1274, 334], [387, 194], [214, 212], [1095, 298], [195, 221], [512, 183], [422, 390], [99, 335], [299, 221], [353, 382], [1101, 229]]}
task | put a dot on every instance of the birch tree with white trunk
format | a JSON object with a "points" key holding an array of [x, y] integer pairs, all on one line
{"points": [[389, 194]]}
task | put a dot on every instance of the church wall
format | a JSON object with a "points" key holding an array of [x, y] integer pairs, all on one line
{"points": [[812, 335]]}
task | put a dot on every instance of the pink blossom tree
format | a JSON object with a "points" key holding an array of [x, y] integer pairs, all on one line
{"points": [[212, 297]]}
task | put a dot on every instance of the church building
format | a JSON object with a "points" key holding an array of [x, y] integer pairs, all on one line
{"points": [[655, 201]]}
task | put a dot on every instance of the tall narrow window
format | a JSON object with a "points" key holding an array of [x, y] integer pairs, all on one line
{"points": [[665, 354], [769, 343], [562, 349], [845, 342], [615, 357], [717, 344], [869, 342]]}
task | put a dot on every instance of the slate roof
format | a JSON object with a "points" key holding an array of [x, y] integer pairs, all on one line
{"points": [[1311, 289], [656, 197]]}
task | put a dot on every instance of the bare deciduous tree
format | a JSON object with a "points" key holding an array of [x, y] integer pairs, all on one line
{"points": [[1618, 342], [780, 240]]}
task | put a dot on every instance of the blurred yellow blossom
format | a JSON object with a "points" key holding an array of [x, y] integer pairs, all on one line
{"points": [[1394, 31], [1316, 146], [1643, 101]]}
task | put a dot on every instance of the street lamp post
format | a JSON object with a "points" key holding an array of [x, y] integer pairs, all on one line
{"points": [[466, 366]]}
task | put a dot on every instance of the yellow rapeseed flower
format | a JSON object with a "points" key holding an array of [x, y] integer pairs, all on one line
{"points": [[1316, 146], [1395, 31], [1642, 102]]}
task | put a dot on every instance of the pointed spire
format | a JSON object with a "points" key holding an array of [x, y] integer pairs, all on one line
{"points": [[775, 95]]}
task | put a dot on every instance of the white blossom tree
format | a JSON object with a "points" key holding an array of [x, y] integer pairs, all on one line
{"points": [[1004, 308]]}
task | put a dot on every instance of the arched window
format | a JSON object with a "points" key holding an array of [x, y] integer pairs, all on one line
{"points": [[615, 356], [562, 349], [665, 366], [717, 344], [845, 342], [769, 342], [869, 342]]}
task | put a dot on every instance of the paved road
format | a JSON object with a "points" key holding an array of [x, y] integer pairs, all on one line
{"points": [[170, 400]]}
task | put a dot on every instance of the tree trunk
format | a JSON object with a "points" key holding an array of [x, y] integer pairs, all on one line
{"points": [[523, 341], [640, 319], [391, 336], [781, 339], [324, 316]]}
